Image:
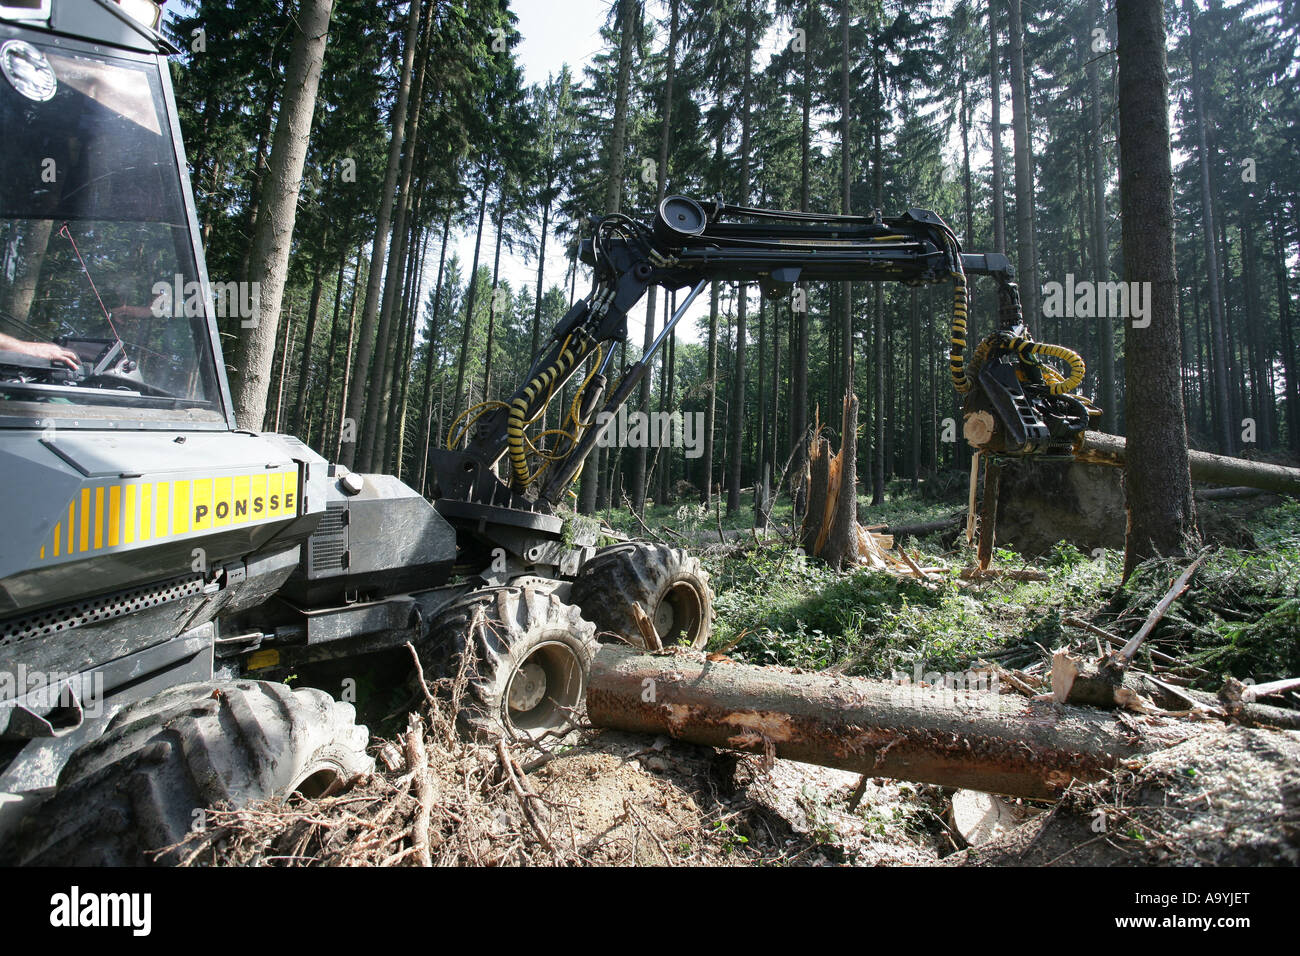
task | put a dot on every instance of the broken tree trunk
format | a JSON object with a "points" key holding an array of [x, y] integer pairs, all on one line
{"points": [[1102, 449], [819, 472], [842, 543], [973, 739], [830, 528]]}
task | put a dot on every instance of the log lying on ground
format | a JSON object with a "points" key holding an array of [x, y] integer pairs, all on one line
{"points": [[972, 739], [952, 523], [1102, 449]]}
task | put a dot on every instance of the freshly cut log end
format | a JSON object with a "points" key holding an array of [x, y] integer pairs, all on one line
{"points": [[975, 739]]}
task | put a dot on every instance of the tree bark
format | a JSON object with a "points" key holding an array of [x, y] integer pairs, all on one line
{"points": [[995, 133], [1098, 448], [1101, 242], [366, 344], [1222, 412], [426, 402], [618, 143], [1161, 511], [374, 436], [269, 265], [661, 186], [736, 411], [304, 364], [471, 295], [953, 737], [1024, 171]]}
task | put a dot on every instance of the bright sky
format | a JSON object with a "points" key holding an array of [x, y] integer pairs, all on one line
{"points": [[555, 32]]}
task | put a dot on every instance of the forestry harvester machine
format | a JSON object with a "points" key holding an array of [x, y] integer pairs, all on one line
{"points": [[163, 572]]}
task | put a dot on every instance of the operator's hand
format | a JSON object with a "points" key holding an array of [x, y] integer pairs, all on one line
{"points": [[44, 350]]}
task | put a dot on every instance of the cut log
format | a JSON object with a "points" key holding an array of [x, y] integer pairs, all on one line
{"points": [[965, 738], [951, 524], [1100, 448]]}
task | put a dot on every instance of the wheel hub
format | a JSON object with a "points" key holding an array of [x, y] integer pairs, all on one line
{"points": [[678, 614], [527, 687]]}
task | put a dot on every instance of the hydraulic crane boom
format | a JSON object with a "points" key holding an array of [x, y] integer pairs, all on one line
{"points": [[1015, 404]]}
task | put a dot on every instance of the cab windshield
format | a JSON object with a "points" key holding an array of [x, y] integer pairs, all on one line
{"points": [[101, 314]]}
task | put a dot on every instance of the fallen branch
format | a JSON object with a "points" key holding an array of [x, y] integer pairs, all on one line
{"points": [[644, 527], [417, 758], [518, 783], [1120, 660], [1101, 683], [647, 628], [1238, 700]]}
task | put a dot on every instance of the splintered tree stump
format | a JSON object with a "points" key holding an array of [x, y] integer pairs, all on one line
{"points": [[819, 468], [842, 543], [830, 529], [966, 738]]}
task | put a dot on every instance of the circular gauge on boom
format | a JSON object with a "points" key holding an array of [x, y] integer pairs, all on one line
{"points": [[680, 219]]}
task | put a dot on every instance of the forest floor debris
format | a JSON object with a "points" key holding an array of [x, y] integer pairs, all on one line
{"points": [[1228, 794]]}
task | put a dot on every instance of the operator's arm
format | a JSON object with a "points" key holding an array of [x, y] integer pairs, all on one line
{"points": [[45, 350]]}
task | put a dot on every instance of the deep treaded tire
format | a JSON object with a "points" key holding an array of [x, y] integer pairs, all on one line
{"points": [[668, 583], [529, 659], [134, 790]]}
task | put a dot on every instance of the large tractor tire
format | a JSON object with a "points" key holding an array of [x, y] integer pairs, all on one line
{"points": [[668, 583], [143, 784], [526, 657]]}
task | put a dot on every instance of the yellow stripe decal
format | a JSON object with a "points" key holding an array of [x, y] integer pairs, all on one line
{"points": [[201, 506], [114, 516], [180, 507], [128, 521], [84, 538], [257, 496], [146, 512], [162, 525], [99, 518], [221, 502], [274, 494], [239, 500]]}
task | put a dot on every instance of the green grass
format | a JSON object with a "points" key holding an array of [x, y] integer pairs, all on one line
{"points": [[1241, 615], [798, 612]]}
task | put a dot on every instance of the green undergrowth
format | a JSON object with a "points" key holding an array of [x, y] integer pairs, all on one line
{"points": [[1241, 615], [798, 612]]}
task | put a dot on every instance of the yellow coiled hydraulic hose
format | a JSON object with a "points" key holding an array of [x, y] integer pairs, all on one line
{"points": [[544, 382], [1070, 357], [957, 355], [1028, 349], [517, 441]]}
